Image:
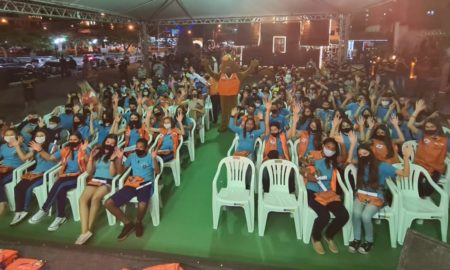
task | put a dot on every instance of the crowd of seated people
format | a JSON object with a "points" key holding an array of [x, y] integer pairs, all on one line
{"points": [[337, 119]]}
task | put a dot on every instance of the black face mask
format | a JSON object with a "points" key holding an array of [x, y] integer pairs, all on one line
{"points": [[76, 124], [312, 131], [132, 110], [364, 159], [34, 120], [366, 116], [275, 134], [346, 130], [134, 123], [158, 114], [140, 153], [379, 137], [74, 145], [67, 111], [108, 149], [430, 132]]}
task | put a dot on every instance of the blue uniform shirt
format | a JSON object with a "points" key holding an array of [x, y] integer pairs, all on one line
{"points": [[10, 157], [321, 166], [43, 165], [141, 166]]}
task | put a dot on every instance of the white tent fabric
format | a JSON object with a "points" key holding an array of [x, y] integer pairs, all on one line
{"points": [[188, 9]]}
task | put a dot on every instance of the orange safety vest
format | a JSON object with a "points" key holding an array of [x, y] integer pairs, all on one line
{"points": [[142, 134], [431, 153], [380, 151], [257, 120], [229, 86], [174, 134], [303, 146], [271, 144], [213, 87], [65, 153]]}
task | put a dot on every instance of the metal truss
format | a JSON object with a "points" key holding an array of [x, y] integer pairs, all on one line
{"points": [[35, 9], [246, 19]]}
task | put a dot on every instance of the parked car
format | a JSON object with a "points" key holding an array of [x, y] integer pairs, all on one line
{"points": [[10, 70]]}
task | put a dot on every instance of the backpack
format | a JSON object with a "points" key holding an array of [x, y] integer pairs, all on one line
{"points": [[7, 256], [26, 264]]}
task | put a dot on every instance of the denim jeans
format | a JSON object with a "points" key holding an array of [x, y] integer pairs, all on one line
{"points": [[363, 213]]}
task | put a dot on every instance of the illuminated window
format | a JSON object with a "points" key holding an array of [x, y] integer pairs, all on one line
{"points": [[279, 44]]}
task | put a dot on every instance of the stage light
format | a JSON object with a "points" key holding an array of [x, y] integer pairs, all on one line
{"points": [[219, 25], [72, 26], [45, 28], [3, 20], [189, 32], [94, 41], [102, 14], [130, 27]]}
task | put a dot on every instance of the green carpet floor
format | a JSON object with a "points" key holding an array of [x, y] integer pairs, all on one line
{"points": [[186, 227]]}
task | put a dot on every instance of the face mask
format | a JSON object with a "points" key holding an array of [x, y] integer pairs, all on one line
{"points": [[134, 123], [364, 159], [145, 93], [132, 110], [8, 139], [52, 126], [328, 153], [385, 103], [140, 153], [40, 140], [430, 131], [257, 105], [76, 124], [378, 137], [67, 111], [34, 120], [108, 148], [74, 145], [325, 108], [167, 126], [275, 134], [366, 116]]}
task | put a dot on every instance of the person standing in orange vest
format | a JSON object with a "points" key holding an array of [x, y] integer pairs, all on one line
{"points": [[229, 81]]}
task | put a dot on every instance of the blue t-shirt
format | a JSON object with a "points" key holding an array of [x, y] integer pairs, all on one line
{"points": [[280, 119], [304, 126], [404, 129], [347, 143], [102, 169], [325, 116], [66, 121], [26, 132], [167, 143], [279, 145], [103, 131], [382, 111], [187, 122], [126, 116], [10, 157], [84, 131], [72, 164], [321, 166], [141, 166], [385, 170], [134, 137], [43, 165]]}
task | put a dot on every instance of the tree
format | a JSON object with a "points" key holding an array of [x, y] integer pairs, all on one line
{"points": [[36, 39]]}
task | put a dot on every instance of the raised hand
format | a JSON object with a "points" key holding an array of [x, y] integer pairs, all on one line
{"points": [[371, 122], [35, 146], [117, 118], [360, 121], [179, 117], [352, 138], [337, 120], [84, 146], [338, 138], [394, 120], [420, 105], [407, 152], [234, 111], [154, 154]]}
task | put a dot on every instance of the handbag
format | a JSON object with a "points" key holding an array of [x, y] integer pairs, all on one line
{"points": [[7, 256], [97, 182], [241, 154], [68, 175], [365, 197], [29, 176], [134, 181], [5, 169], [26, 264], [328, 196]]}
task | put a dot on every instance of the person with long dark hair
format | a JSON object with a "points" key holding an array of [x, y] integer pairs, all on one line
{"points": [[305, 119], [104, 163], [247, 134], [46, 155], [383, 147], [323, 182], [369, 192], [74, 158], [432, 148]]}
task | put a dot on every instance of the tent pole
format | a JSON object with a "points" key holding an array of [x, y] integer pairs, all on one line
{"points": [[144, 45], [344, 33]]}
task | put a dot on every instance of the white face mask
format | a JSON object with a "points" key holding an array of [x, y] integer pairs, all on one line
{"points": [[52, 126], [8, 139], [167, 126], [328, 152], [384, 103], [40, 140]]}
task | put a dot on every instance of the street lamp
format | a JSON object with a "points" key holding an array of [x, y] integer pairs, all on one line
{"points": [[4, 21], [130, 27]]}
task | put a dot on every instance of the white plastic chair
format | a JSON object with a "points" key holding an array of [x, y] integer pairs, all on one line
{"points": [[190, 143], [17, 176], [235, 193], [173, 164], [234, 145], [41, 192], [413, 207], [201, 131], [172, 110], [388, 213], [278, 198], [74, 196], [208, 112], [308, 215], [155, 199]]}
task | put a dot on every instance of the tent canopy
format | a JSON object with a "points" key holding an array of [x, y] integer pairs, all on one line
{"points": [[192, 9]]}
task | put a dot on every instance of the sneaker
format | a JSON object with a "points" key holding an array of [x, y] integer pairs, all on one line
{"points": [[127, 229], [83, 238], [317, 246], [332, 246], [365, 247], [37, 217], [139, 229], [354, 245], [56, 223], [18, 217]]}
